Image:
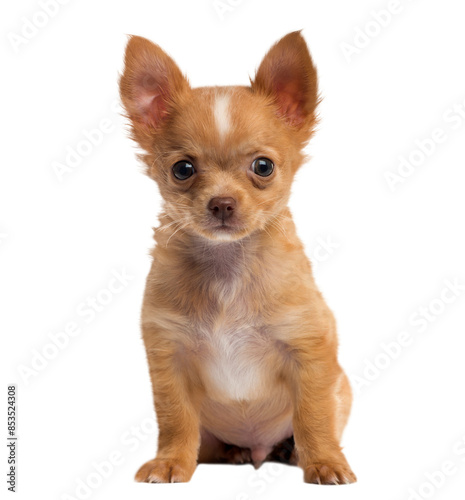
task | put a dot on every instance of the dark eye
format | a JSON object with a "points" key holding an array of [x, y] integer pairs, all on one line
{"points": [[183, 170], [263, 167]]}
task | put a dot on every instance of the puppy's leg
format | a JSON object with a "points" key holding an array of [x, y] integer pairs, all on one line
{"points": [[343, 403], [322, 398], [177, 404], [284, 452]]}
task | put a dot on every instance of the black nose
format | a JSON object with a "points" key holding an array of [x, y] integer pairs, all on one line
{"points": [[222, 208]]}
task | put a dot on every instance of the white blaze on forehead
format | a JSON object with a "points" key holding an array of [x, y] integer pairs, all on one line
{"points": [[221, 113]]}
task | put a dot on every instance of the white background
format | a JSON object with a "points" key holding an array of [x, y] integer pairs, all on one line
{"points": [[392, 250]]}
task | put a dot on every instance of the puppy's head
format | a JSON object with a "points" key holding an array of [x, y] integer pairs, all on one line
{"points": [[223, 157]]}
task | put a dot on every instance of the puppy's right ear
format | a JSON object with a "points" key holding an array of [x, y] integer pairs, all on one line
{"points": [[149, 86]]}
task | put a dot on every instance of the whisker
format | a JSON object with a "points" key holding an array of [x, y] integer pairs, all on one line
{"points": [[181, 226]]}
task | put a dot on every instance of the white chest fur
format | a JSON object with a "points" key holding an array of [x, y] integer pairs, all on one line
{"points": [[235, 347], [235, 366]]}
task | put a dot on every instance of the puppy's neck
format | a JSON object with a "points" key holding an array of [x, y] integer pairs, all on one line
{"points": [[222, 259], [224, 273]]}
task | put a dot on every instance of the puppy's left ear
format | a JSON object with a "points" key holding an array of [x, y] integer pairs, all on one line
{"points": [[287, 75]]}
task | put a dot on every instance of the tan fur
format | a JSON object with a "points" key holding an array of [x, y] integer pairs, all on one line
{"points": [[241, 346]]}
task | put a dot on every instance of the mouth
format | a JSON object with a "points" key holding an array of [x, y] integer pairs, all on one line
{"points": [[224, 231], [225, 228]]}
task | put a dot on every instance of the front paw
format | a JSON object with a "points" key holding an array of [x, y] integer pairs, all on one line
{"points": [[165, 470], [329, 473]]}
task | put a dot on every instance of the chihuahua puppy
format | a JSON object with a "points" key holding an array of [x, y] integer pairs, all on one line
{"points": [[241, 346]]}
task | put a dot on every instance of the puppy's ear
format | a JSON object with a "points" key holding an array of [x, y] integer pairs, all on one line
{"points": [[149, 86], [288, 76]]}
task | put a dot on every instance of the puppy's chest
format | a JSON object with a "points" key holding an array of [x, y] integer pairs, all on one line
{"points": [[235, 359], [235, 348]]}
